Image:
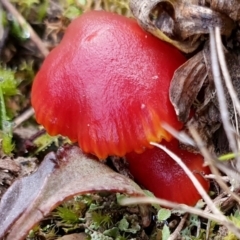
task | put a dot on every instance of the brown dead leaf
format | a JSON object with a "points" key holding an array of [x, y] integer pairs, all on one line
{"points": [[186, 84], [9, 164], [179, 22], [58, 178], [228, 7], [192, 87]]}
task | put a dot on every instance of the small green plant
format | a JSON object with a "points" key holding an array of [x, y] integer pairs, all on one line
{"points": [[67, 214], [8, 87], [100, 220], [44, 141], [72, 8], [235, 218]]}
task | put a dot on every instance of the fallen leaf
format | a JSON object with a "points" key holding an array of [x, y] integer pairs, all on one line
{"points": [[59, 177], [186, 84], [180, 22], [228, 7], [9, 164]]}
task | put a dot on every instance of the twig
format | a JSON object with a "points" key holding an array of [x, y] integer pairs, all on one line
{"points": [[149, 200], [208, 229], [212, 165], [220, 93], [213, 176], [176, 232], [194, 180], [23, 117], [225, 72], [181, 136], [235, 176], [34, 37], [183, 207], [201, 190]]}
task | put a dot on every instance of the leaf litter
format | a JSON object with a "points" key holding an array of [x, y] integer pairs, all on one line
{"points": [[59, 177]]}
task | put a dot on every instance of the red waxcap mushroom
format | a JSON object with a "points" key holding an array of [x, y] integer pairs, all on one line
{"points": [[159, 173], [106, 86]]}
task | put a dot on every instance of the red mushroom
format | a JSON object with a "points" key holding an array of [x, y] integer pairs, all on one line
{"points": [[106, 86], [159, 173]]}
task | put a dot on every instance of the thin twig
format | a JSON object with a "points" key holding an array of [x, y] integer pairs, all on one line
{"points": [[220, 94], [201, 190], [163, 202], [176, 232], [180, 135], [23, 117], [183, 207], [225, 72], [212, 165], [150, 200], [235, 175], [194, 180], [34, 37], [213, 177], [227, 78], [208, 229]]}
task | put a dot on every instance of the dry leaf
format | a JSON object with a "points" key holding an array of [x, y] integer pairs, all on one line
{"points": [[186, 84], [9, 164], [179, 22], [228, 7], [192, 87], [58, 178]]}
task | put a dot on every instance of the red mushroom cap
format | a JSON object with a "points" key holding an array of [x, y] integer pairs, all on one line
{"points": [[106, 86], [159, 173]]}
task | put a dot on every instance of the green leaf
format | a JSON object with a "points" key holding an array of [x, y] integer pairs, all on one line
{"points": [[7, 144], [8, 83], [72, 12], [165, 232], [237, 215], [99, 236], [129, 227], [120, 197], [94, 207], [6, 127], [20, 31], [44, 141], [123, 224], [163, 214], [113, 232], [228, 156]]}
